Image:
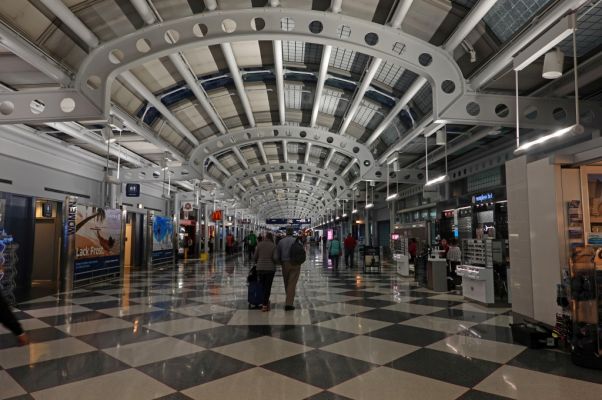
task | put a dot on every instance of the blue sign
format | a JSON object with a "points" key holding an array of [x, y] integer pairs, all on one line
{"points": [[132, 190], [483, 198], [290, 221]]}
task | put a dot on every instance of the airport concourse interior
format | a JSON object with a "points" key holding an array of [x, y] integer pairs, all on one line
{"points": [[300, 199]]}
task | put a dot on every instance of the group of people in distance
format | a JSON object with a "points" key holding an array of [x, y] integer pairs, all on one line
{"points": [[334, 249]]}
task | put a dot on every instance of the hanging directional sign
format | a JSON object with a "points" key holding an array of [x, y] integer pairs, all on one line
{"points": [[289, 221]]}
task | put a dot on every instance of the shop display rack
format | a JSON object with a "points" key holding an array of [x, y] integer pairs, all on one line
{"points": [[8, 264]]}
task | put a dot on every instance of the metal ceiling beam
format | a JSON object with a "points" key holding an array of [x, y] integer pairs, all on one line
{"points": [[99, 69], [399, 107], [401, 11], [348, 167], [468, 23], [327, 175], [322, 73], [74, 23], [335, 7], [240, 157], [359, 94], [238, 82], [220, 166], [62, 12], [146, 133], [31, 54], [336, 143], [502, 59], [285, 151], [271, 187], [279, 73], [133, 82]]}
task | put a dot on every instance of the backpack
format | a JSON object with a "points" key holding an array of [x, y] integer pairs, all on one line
{"points": [[335, 248], [252, 240], [298, 255]]}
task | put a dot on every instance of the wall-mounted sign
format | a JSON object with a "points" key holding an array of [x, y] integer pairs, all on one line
{"points": [[47, 210], [483, 198], [187, 206], [132, 190]]}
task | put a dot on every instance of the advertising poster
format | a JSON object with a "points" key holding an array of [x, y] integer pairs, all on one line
{"points": [[162, 239], [97, 242]]}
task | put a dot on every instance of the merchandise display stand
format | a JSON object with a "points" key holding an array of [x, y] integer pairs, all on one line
{"points": [[585, 272], [477, 271], [372, 259], [401, 256]]}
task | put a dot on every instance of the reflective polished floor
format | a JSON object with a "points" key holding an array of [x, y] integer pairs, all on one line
{"points": [[185, 332]]}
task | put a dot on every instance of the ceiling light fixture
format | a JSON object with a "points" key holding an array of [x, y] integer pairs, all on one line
{"points": [[552, 64], [575, 129]]}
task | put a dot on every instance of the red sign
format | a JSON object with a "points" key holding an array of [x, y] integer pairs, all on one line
{"points": [[217, 215]]}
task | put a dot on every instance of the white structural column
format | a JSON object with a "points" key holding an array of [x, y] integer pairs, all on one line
{"points": [[238, 82]]}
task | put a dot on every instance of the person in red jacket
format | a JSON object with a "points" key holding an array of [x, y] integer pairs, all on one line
{"points": [[349, 244]]}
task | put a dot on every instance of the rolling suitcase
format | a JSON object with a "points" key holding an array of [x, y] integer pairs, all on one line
{"points": [[255, 296]]}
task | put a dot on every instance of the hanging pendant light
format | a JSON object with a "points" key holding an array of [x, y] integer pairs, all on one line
{"points": [[371, 204], [441, 178], [575, 129]]}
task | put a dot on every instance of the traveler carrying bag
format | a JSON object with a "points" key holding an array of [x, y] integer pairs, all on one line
{"points": [[298, 255]]}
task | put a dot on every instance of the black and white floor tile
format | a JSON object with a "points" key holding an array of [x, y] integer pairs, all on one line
{"points": [[185, 332]]}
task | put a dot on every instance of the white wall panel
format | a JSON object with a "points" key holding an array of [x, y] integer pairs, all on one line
{"points": [[519, 237]]}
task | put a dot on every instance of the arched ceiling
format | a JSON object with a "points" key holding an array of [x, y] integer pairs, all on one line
{"points": [[290, 102]]}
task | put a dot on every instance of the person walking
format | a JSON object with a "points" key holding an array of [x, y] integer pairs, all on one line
{"points": [[265, 257], [454, 258], [251, 244], [8, 319], [290, 269], [349, 244], [334, 251], [412, 249], [230, 243]]}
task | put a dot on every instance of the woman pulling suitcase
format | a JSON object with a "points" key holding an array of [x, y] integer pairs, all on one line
{"points": [[265, 261]]}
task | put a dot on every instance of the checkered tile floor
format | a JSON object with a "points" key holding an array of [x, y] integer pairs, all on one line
{"points": [[186, 332]]}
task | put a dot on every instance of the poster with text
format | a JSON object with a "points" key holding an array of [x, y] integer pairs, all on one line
{"points": [[162, 238], [97, 242]]}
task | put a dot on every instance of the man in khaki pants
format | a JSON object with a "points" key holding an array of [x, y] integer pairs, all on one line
{"points": [[290, 270]]}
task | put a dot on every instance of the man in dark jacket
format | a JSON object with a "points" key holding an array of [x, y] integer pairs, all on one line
{"points": [[349, 244]]}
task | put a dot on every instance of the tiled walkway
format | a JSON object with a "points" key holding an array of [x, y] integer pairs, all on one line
{"points": [[186, 332]]}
